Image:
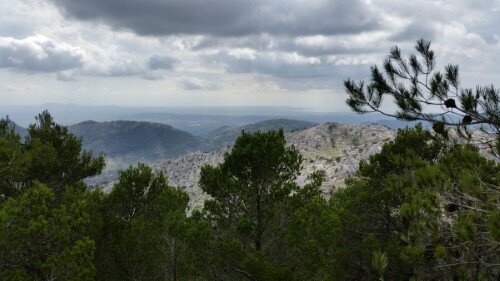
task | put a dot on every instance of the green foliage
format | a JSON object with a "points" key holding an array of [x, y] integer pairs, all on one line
{"points": [[254, 196], [46, 217], [254, 179], [399, 203], [421, 209], [333, 141], [13, 160], [355, 141], [43, 240], [145, 222], [49, 154], [422, 93], [56, 156], [379, 263]]}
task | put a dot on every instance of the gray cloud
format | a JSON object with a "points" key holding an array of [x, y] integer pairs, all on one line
{"points": [[38, 54], [282, 65], [161, 62], [152, 76], [67, 76], [416, 30], [126, 68], [194, 84], [225, 18], [116, 68], [291, 71], [233, 46]]}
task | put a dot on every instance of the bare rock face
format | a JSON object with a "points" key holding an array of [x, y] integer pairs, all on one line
{"points": [[336, 149], [184, 172], [331, 148]]}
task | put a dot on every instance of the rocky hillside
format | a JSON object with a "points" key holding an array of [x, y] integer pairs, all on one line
{"points": [[127, 143], [333, 148]]}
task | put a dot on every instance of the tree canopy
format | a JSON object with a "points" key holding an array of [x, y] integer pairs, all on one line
{"points": [[254, 196], [423, 208]]}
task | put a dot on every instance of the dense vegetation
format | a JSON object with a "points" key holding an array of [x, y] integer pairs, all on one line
{"points": [[126, 138], [422, 208]]}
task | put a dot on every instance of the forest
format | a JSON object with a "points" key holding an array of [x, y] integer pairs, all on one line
{"points": [[420, 208], [425, 208]]}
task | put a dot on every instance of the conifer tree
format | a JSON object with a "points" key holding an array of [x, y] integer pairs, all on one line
{"points": [[430, 209], [254, 196], [43, 239], [13, 161], [421, 92], [56, 156], [144, 226]]}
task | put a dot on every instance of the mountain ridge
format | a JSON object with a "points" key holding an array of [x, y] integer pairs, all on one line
{"points": [[226, 135], [148, 140], [333, 149]]}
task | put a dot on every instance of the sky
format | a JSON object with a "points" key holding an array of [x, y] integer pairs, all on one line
{"points": [[228, 52]]}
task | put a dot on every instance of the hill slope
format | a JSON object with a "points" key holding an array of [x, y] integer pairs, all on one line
{"points": [[227, 135], [333, 148], [23, 132], [142, 140]]}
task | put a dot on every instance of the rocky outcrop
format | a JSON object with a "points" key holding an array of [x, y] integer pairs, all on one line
{"points": [[331, 148]]}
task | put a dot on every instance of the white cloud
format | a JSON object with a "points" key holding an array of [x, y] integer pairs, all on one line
{"points": [[38, 53], [242, 53]]}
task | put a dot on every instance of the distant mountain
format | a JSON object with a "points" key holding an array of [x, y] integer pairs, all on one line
{"points": [[139, 141], [23, 132], [226, 135], [398, 124]]}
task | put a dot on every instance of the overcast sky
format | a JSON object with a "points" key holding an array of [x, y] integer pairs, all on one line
{"points": [[228, 52]]}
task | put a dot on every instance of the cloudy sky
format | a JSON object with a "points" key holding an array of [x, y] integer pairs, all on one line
{"points": [[228, 52]]}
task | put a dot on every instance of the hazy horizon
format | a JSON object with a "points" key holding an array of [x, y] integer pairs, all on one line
{"points": [[197, 120]]}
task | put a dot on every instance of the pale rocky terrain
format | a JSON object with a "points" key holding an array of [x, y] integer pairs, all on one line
{"points": [[336, 149]]}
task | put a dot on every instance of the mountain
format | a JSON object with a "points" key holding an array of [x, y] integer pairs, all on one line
{"points": [[23, 132], [334, 149], [141, 141], [398, 124], [126, 143], [226, 135]]}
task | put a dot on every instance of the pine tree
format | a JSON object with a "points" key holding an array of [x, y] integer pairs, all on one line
{"points": [[420, 92], [254, 195], [13, 161], [145, 223], [429, 208], [56, 156], [42, 239]]}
